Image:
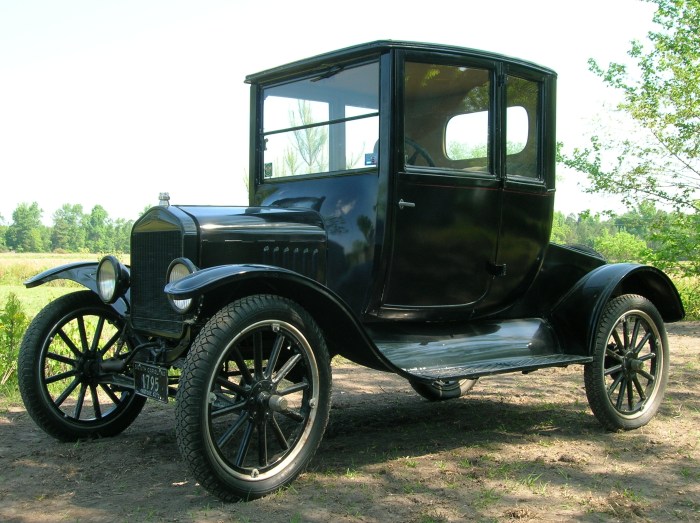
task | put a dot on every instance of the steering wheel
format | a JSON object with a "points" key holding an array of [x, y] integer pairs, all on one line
{"points": [[418, 151]]}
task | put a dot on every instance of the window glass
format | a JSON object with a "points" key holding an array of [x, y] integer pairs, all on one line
{"points": [[447, 116], [522, 137], [322, 124]]}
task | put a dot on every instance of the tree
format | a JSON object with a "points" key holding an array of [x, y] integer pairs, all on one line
{"points": [[658, 162], [99, 230], [68, 232], [26, 232], [621, 247]]}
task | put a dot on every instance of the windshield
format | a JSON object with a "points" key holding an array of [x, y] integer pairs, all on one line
{"points": [[326, 123]]}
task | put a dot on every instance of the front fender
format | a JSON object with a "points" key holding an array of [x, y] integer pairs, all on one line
{"points": [[343, 330], [84, 273], [576, 316]]}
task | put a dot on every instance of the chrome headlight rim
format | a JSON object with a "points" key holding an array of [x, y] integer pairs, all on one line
{"points": [[178, 269], [112, 279]]}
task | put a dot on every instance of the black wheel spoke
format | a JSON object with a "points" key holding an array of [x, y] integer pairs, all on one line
{"points": [[110, 343], [621, 394], [242, 366], [614, 384], [258, 355], [79, 404], [614, 354], [60, 358], [61, 376], [613, 370], [620, 346], [83, 334], [278, 433], [95, 402], [642, 343], [640, 390], [274, 356], [625, 333], [294, 388], [648, 376], [232, 430], [97, 334], [286, 368], [647, 357], [229, 385], [67, 392], [262, 443], [222, 411], [245, 444], [293, 415], [69, 343], [110, 393], [630, 394], [635, 332]]}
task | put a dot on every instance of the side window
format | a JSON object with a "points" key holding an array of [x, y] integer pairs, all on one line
{"points": [[326, 123], [522, 127], [447, 114]]}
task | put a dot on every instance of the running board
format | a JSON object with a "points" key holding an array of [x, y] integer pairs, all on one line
{"points": [[431, 353]]}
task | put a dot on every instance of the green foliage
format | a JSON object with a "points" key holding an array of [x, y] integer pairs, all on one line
{"points": [[72, 231], [13, 323], [689, 289], [621, 247], [26, 233], [658, 162]]}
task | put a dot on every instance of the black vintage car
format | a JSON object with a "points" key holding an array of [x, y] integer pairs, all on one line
{"points": [[401, 199]]}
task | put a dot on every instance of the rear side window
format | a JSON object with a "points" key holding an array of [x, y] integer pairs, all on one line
{"points": [[522, 127]]}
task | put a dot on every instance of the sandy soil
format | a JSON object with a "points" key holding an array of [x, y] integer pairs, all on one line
{"points": [[518, 447]]}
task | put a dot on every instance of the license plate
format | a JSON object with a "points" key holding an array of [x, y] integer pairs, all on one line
{"points": [[151, 381]]}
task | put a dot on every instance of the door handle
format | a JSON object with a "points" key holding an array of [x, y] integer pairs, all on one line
{"points": [[403, 204]]}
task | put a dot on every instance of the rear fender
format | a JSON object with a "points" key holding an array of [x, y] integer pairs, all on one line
{"points": [[343, 331], [576, 316], [84, 273]]}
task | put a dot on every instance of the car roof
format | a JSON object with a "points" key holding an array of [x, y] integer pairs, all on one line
{"points": [[328, 60]]}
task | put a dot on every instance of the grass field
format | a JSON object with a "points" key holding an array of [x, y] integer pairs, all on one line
{"points": [[15, 268]]}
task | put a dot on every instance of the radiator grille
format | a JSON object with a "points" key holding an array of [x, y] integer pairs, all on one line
{"points": [[151, 254]]}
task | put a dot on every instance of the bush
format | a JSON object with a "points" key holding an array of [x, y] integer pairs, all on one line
{"points": [[689, 289], [13, 323]]}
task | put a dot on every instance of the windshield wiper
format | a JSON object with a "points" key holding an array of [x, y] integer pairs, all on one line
{"points": [[331, 72]]}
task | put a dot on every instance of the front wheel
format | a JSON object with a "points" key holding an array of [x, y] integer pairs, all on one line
{"points": [[254, 397], [626, 380], [63, 386]]}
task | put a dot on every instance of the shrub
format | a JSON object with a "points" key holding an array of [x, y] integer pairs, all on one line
{"points": [[13, 323]]}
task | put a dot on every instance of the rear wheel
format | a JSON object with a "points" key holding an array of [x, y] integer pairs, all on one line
{"points": [[254, 397], [440, 390], [60, 379], [626, 380]]}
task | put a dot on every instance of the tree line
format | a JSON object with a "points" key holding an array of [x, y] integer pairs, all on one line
{"points": [[72, 230]]}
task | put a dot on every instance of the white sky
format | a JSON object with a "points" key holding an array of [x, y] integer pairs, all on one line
{"points": [[112, 102]]}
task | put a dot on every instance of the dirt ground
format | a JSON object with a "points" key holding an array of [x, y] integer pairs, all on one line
{"points": [[518, 447]]}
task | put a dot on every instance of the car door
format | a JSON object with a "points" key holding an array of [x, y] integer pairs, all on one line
{"points": [[446, 197]]}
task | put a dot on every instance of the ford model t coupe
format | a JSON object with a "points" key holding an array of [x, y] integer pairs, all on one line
{"points": [[401, 200]]}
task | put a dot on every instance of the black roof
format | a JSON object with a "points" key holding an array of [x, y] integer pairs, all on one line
{"points": [[326, 60]]}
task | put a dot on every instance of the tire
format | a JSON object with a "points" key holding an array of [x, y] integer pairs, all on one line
{"points": [[626, 381], [59, 378], [440, 390], [254, 397]]}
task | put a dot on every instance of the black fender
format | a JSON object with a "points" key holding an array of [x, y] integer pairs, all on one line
{"points": [[576, 316], [84, 273], [344, 332]]}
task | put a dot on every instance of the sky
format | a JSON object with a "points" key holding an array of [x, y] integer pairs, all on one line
{"points": [[112, 102]]}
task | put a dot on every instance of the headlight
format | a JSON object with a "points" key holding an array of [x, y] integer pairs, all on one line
{"points": [[177, 270], [112, 279]]}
